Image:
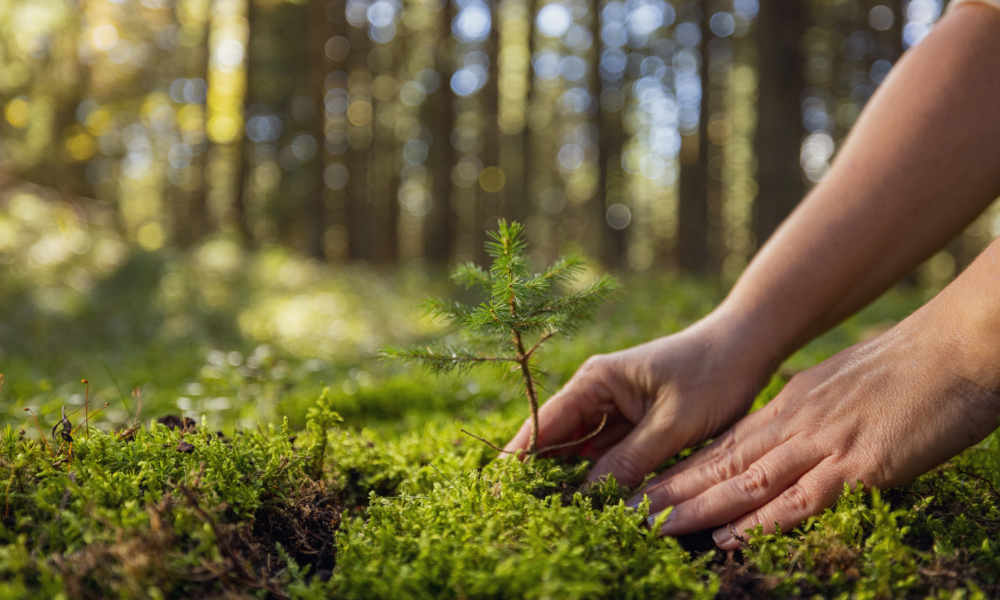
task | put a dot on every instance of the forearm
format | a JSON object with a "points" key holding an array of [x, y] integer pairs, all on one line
{"points": [[966, 317], [921, 163]]}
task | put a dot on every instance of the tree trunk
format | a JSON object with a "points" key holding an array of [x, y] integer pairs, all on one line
{"points": [[488, 196], [387, 167], [610, 141], [199, 221], [440, 233], [319, 32], [780, 65], [241, 194], [358, 205], [522, 197], [693, 206]]}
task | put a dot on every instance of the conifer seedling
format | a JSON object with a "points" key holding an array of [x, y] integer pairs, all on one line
{"points": [[520, 312]]}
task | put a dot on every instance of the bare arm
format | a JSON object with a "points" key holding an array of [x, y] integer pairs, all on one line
{"points": [[921, 163]]}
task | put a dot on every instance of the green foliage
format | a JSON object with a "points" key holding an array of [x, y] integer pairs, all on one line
{"points": [[518, 304], [496, 533], [393, 501]]}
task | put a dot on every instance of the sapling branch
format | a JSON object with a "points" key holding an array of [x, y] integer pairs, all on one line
{"points": [[545, 337]]}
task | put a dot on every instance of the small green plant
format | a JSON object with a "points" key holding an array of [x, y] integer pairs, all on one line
{"points": [[522, 310]]}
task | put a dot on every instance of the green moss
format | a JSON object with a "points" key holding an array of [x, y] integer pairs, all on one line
{"points": [[395, 500]]}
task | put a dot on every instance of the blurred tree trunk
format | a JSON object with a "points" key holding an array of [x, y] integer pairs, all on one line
{"points": [[693, 202], [442, 220], [199, 223], [780, 66], [320, 31], [488, 189], [358, 205], [190, 220], [522, 198], [70, 85], [387, 155], [243, 149], [898, 22], [600, 200], [610, 142]]}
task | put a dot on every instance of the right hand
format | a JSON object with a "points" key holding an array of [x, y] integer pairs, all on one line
{"points": [[659, 397]]}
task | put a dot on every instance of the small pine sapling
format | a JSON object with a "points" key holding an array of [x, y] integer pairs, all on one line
{"points": [[522, 311]]}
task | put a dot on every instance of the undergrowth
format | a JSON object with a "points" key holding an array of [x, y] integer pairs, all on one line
{"points": [[267, 486], [334, 511]]}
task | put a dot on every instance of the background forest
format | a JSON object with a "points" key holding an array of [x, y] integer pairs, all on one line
{"points": [[647, 134], [214, 213]]}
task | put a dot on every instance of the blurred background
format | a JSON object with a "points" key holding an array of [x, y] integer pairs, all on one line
{"points": [[649, 134], [194, 180]]}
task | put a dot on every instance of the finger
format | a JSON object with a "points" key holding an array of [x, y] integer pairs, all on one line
{"points": [[813, 492], [638, 453], [761, 482], [723, 459]]}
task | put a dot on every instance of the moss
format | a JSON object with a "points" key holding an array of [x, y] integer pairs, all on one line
{"points": [[393, 501]]}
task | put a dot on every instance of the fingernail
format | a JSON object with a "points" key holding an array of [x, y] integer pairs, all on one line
{"points": [[635, 501], [723, 538]]}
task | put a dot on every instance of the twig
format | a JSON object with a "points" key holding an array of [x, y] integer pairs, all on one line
{"points": [[477, 358], [541, 340], [589, 436], [487, 442]]}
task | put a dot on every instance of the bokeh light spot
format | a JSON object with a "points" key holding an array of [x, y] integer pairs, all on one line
{"points": [[554, 20], [880, 17], [618, 216], [150, 236], [17, 112], [492, 179]]}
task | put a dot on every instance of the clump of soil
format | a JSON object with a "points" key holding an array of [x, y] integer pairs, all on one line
{"points": [[185, 424], [303, 522]]}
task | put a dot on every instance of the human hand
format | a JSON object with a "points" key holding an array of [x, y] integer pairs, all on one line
{"points": [[879, 413], [659, 398]]}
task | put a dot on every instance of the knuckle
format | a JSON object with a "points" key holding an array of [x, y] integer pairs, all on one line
{"points": [[796, 500], [593, 365], [754, 480], [723, 444], [722, 468]]}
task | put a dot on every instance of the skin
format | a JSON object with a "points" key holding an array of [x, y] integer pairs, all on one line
{"points": [[921, 163]]}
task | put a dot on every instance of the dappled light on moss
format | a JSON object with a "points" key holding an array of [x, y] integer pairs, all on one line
{"points": [[394, 500]]}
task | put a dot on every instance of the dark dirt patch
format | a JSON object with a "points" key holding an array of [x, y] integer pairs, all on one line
{"points": [[304, 524], [184, 424]]}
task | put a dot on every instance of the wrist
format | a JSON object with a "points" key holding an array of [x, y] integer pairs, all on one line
{"points": [[965, 316], [740, 344], [747, 337]]}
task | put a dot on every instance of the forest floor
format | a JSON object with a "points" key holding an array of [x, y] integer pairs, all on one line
{"points": [[238, 437]]}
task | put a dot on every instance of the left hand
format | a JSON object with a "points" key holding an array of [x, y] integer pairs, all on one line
{"points": [[880, 413]]}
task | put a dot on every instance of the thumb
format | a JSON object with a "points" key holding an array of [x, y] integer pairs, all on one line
{"points": [[642, 450]]}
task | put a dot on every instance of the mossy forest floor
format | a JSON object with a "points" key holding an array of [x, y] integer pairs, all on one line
{"points": [[244, 441]]}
